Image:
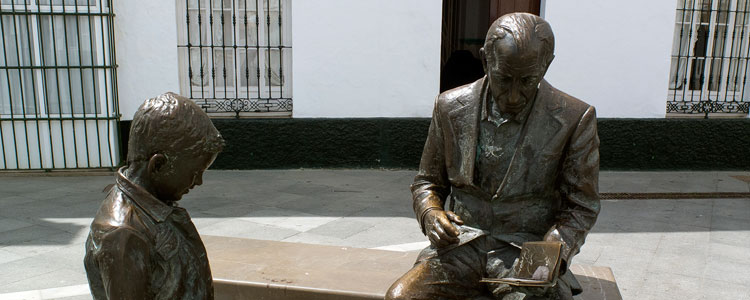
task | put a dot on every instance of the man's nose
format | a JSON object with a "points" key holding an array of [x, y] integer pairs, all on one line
{"points": [[198, 179], [515, 96]]}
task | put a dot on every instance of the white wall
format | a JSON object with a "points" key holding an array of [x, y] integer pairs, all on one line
{"points": [[614, 55], [365, 58], [146, 41]]}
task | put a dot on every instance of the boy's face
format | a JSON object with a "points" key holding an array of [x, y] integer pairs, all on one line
{"points": [[177, 180]]}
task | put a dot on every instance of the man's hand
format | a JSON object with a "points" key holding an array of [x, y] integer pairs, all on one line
{"points": [[439, 229]]}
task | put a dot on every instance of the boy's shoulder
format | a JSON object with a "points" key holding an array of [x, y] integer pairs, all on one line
{"points": [[118, 216]]}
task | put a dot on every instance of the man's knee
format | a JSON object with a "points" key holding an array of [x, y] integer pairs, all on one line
{"points": [[398, 291]]}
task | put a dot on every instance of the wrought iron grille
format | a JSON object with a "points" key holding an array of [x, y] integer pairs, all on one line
{"points": [[235, 56], [58, 91], [710, 58]]}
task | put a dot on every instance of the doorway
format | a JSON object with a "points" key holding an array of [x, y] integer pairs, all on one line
{"points": [[465, 24]]}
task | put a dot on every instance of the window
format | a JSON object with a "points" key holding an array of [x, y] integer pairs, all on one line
{"points": [[710, 58], [58, 104], [235, 56]]}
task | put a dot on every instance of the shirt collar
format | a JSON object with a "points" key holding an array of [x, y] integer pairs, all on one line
{"points": [[492, 113], [158, 210]]}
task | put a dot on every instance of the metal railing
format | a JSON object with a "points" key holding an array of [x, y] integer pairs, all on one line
{"points": [[58, 91], [235, 56], [710, 58]]}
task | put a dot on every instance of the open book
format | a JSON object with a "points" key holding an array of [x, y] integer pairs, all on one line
{"points": [[537, 266]]}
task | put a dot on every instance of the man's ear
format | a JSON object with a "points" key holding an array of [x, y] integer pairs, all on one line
{"points": [[483, 58], [549, 62], [156, 163]]}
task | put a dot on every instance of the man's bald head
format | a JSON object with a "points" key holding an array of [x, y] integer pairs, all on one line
{"points": [[531, 35]]}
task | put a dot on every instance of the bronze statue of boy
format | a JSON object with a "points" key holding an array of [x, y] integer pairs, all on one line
{"points": [[142, 245], [508, 159]]}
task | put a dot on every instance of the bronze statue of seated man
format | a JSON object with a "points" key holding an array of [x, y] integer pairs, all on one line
{"points": [[508, 159], [142, 245]]}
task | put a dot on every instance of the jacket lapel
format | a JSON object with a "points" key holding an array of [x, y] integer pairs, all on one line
{"points": [[464, 120]]}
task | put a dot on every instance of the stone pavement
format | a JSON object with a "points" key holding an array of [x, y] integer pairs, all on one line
{"points": [[657, 248]]}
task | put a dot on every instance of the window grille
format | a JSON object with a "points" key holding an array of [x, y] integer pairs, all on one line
{"points": [[58, 92], [235, 56], [710, 52]]}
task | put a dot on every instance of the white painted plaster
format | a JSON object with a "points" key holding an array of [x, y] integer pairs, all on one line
{"points": [[146, 41], [614, 55], [365, 58]]}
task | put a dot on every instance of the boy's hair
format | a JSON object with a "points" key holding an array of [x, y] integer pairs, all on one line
{"points": [[171, 125]]}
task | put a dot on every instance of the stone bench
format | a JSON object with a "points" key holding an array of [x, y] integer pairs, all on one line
{"points": [[258, 269]]}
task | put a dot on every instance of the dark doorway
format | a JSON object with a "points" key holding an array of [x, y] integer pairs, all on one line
{"points": [[465, 24]]}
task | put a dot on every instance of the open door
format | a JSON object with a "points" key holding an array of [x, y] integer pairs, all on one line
{"points": [[465, 25]]}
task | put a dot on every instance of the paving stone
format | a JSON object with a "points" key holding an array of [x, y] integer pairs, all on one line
{"points": [[7, 224], [712, 289], [56, 278], [341, 228], [26, 268], [29, 234], [244, 229], [659, 286]]}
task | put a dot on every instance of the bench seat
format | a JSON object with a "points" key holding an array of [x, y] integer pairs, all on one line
{"points": [[259, 269]]}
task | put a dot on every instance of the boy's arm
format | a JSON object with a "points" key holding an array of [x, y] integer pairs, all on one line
{"points": [[125, 265]]}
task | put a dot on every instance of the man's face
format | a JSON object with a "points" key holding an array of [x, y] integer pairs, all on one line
{"points": [[178, 179], [514, 74]]}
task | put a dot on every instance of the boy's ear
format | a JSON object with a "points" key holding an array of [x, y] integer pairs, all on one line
{"points": [[156, 163]]}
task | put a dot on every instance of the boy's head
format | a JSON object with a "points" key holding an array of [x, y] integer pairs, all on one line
{"points": [[172, 141]]}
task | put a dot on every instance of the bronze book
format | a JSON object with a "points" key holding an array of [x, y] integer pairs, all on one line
{"points": [[538, 266]]}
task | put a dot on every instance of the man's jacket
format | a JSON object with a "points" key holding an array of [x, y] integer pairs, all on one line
{"points": [[550, 190]]}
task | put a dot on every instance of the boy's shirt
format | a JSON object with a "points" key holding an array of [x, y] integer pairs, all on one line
{"points": [[141, 248]]}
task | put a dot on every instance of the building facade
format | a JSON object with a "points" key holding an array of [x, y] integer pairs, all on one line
{"points": [[337, 83]]}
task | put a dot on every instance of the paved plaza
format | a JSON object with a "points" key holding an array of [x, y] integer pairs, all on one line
{"points": [[657, 248]]}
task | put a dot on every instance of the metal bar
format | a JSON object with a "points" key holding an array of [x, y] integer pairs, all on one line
{"points": [[46, 82], [679, 53], [238, 46], [268, 48], [213, 54], [34, 86], [739, 60], [20, 81], [257, 46], [689, 63], [94, 86], [223, 49], [721, 58], [281, 54], [54, 13], [189, 54], [83, 88], [10, 99], [734, 34], [70, 88], [200, 51], [57, 118], [234, 46], [703, 70], [744, 76], [113, 59], [59, 96], [247, 53], [44, 67], [106, 85]]}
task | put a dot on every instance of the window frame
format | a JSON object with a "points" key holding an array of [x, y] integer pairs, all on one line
{"points": [[255, 101], [682, 98], [103, 108]]}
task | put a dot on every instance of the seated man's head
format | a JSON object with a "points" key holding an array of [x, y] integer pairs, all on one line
{"points": [[517, 51], [172, 141]]}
